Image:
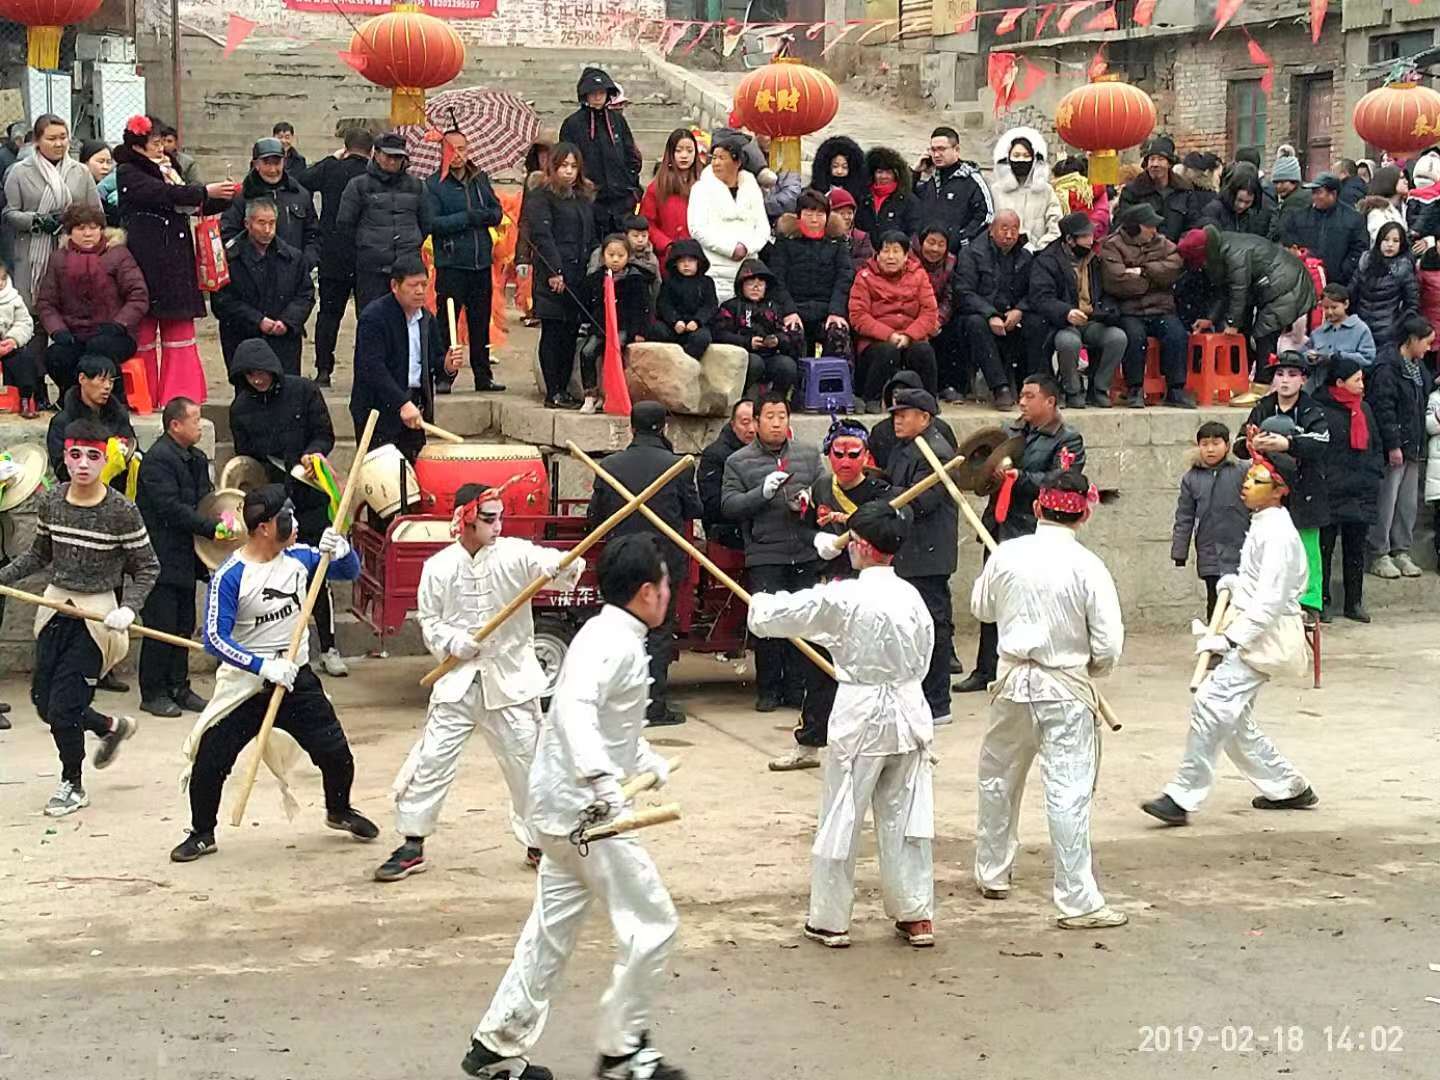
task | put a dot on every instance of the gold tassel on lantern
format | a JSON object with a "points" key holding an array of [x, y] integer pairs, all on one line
{"points": [[44, 47], [407, 105], [1104, 167], [785, 153]]}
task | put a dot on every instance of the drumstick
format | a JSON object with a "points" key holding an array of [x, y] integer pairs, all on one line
{"points": [[454, 331], [1202, 662], [630, 822], [440, 432], [646, 780], [79, 613]]}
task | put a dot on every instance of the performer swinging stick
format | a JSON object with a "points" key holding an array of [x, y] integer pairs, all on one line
{"points": [[498, 683], [589, 742]]}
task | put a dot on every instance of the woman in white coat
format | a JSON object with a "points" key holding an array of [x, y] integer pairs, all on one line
{"points": [[727, 215], [1021, 182]]}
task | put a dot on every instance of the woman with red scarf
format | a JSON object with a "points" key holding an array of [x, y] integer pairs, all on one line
{"points": [[890, 202], [1354, 469]]}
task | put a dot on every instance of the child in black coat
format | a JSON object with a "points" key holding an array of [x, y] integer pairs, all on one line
{"points": [[753, 320], [632, 307], [687, 304]]}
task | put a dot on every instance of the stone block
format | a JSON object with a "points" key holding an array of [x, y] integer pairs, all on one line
{"points": [[691, 434], [1171, 427], [665, 373], [573, 480], [526, 421], [722, 376], [1102, 466], [1113, 427], [597, 433], [468, 416], [1151, 468]]}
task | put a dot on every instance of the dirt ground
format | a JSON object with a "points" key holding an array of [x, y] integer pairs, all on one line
{"points": [[1280, 944]]}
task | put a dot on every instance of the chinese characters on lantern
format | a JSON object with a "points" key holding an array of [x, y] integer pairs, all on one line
{"points": [[780, 101]]}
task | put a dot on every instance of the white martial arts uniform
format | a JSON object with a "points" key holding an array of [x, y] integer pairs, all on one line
{"points": [[1264, 623], [1059, 624], [880, 636], [593, 730], [498, 691]]}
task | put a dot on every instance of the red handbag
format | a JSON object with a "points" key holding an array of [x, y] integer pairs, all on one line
{"points": [[212, 268]]}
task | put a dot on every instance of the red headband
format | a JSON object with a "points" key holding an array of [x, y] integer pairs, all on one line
{"points": [[98, 444], [1068, 502], [466, 513], [1276, 478]]}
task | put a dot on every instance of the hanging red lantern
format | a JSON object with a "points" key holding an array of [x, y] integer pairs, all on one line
{"points": [[1399, 117], [1105, 117], [785, 100], [409, 52], [47, 20]]}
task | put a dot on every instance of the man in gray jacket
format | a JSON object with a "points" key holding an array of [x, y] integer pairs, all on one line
{"points": [[765, 489]]}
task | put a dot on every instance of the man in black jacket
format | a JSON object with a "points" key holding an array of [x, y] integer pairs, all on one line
{"points": [[612, 161], [1167, 192], [270, 293], [992, 278], [710, 473], [174, 477], [1352, 184], [639, 464], [1046, 434], [268, 178], [955, 194], [329, 178], [927, 558], [384, 216], [1328, 229], [399, 353]]}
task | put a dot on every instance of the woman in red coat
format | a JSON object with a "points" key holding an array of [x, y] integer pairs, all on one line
{"points": [[667, 199], [893, 315]]}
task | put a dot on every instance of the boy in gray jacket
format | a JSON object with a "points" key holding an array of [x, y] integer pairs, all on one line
{"points": [[1209, 509]]}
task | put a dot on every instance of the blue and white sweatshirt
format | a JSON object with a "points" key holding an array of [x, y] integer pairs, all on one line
{"points": [[251, 608]]}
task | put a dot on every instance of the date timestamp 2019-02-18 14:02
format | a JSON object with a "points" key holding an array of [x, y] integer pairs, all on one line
{"points": [[1280, 1038]]}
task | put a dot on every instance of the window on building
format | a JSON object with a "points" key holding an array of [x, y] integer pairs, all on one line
{"points": [[1247, 116]]}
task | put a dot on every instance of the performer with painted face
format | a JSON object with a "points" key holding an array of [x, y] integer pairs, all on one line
{"points": [[1263, 636], [1057, 616], [880, 636], [251, 609], [92, 538], [498, 682], [831, 500]]}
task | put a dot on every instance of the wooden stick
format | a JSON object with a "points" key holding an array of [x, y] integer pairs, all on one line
{"points": [[695, 553], [1217, 617], [302, 625], [454, 330], [636, 502], [1106, 712], [79, 613], [646, 780], [913, 492], [641, 819], [440, 432]]}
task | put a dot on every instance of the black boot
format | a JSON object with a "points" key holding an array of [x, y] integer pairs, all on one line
{"points": [[1303, 801], [353, 822], [485, 1063], [1167, 810], [972, 683]]}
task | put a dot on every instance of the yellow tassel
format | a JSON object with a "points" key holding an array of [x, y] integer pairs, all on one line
{"points": [[407, 105], [785, 153], [44, 47], [1104, 167]]}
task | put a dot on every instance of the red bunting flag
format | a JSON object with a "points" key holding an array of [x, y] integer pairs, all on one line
{"points": [[1009, 22], [672, 37], [1104, 21], [815, 30], [1224, 11], [236, 32], [1098, 64], [612, 377], [1044, 18], [1262, 58], [1072, 12], [1001, 78], [705, 29], [965, 25], [1318, 9], [1028, 82], [1144, 12]]}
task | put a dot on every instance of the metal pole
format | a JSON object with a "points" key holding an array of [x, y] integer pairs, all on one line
{"points": [[175, 65]]}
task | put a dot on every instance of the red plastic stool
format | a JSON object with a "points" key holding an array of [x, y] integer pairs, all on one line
{"points": [[1219, 367], [137, 387], [1154, 385], [9, 399]]}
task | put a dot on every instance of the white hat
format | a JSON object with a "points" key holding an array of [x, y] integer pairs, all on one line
{"points": [[1427, 168]]}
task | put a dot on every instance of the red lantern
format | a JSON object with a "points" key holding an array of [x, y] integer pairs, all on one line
{"points": [[409, 52], [785, 100], [47, 20], [1399, 117], [1104, 117]]}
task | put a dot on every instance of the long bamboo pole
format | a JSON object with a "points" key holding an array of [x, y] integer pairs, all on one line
{"points": [[78, 613]]}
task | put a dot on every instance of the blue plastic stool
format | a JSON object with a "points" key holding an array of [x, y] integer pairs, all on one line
{"points": [[825, 385]]}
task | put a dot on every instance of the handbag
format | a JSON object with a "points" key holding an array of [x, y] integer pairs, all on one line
{"points": [[212, 268]]}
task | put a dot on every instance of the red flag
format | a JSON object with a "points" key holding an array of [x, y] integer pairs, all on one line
{"points": [[1044, 18], [1072, 12], [1098, 64], [705, 29], [1144, 12], [1009, 22], [1029, 81], [612, 376], [1318, 9], [815, 30], [1224, 11], [238, 30], [965, 25], [1104, 21], [1001, 78], [354, 59], [1260, 57]]}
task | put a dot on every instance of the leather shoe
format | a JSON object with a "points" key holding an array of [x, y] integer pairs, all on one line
{"points": [[189, 700], [1004, 398], [1075, 401], [1357, 614], [111, 684], [1099, 401], [160, 706], [972, 683], [767, 703], [491, 387]]}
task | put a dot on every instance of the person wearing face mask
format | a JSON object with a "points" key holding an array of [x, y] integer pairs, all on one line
{"points": [[495, 685], [251, 609], [1021, 182]]}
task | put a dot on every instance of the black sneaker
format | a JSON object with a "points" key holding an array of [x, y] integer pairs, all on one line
{"points": [[160, 706], [645, 1063], [322, 378], [111, 684], [668, 718], [355, 823], [1167, 810], [1135, 399], [1303, 801], [407, 859], [490, 387], [767, 703], [189, 700], [972, 683], [194, 846], [109, 747], [1179, 398], [1357, 614], [485, 1063]]}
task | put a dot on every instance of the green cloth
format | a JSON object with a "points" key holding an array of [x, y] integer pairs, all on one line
{"points": [[1313, 596]]}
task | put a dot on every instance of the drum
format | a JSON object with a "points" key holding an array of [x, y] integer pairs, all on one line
{"points": [[212, 552], [382, 475], [444, 468]]}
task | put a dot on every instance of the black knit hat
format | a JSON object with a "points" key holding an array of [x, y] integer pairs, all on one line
{"points": [[1076, 224]]}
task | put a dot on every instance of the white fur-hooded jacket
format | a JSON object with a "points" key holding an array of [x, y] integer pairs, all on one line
{"points": [[1035, 200], [16, 322]]}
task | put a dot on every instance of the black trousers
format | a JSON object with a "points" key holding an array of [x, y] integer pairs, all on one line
{"points": [[1212, 593], [952, 358], [987, 651], [335, 293], [470, 289], [777, 370], [306, 713], [165, 669], [880, 360], [557, 353], [369, 285], [67, 666], [1174, 346], [611, 209], [25, 367], [781, 671], [1351, 535], [1260, 349], [833, 340], [62, 359], [694, 342], [660, 645], [1001, 360], [935, 591]]}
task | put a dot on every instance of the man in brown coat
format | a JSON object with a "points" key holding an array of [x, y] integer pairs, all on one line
{"points": [[1139, 269]]}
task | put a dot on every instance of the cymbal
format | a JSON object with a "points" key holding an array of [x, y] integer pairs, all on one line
{"points": [[32, 462], [214, 552], [244, 474], [984, 450]]}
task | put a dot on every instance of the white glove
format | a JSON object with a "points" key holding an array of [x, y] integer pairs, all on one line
{"points": [[333, 544], [1198, 628], [120, 619], [464, 647], [279, 671], [661, 768], [828, 545], [609, 800], [1216, 644], [773, 483], [1227, 584]]}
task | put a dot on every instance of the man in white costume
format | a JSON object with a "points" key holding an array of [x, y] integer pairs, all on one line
{"points": [[498, 682], [880, 636], [1059, 625], [590, 741], [1263, 635]]}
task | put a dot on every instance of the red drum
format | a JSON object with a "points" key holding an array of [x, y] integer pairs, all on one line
{"points": [[443, 468]]}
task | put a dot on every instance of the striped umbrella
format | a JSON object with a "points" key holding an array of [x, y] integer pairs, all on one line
{"points": [[498, 127]]}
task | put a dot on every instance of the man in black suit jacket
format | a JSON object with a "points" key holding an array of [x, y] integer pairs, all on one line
{"points": [[399, 352]]}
